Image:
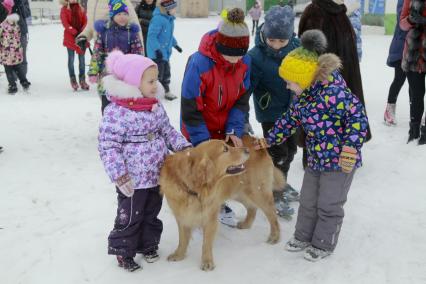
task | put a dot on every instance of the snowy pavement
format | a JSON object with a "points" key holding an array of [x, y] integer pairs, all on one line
{"points": [[57, 205]]}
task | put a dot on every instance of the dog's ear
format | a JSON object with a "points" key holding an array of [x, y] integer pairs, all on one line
{"points": [[203, 171]]}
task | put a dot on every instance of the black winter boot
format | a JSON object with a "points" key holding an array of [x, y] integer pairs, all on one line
{"points": [[127, 263], [13, 89], [414, 131], [422, 140]]}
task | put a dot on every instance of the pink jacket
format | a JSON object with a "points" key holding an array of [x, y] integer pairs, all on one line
{"points": [[11, 52]]}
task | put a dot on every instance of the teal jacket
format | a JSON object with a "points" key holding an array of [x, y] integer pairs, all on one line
{"points": [[270, 94]]}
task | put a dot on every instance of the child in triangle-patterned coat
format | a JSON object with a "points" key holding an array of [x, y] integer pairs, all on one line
{"points": [[335, 124]]}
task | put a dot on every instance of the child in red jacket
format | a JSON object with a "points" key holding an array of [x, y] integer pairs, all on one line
{"points": [[74, 21]]}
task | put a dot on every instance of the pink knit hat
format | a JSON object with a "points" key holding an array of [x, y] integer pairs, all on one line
{"points": [[128, 67], [8, 5]]}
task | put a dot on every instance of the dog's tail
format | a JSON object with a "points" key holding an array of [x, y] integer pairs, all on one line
{"points": [[279, 180]]}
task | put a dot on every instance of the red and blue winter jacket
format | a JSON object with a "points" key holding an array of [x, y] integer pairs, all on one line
{"points": [[214, 94]]}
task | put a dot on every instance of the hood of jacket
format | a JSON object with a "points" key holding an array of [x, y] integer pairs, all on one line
{"points": [[12, 18], [331, 6], [121, 90], [102, 25], [327, 64]]}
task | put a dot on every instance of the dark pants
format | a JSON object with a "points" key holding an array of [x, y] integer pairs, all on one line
{"points": [[282, 155], [137, 227], [321, 213], [81, 64], [24, 43], [416, 82], [13, 71], [164, 73], [255, 25], [397, 83]]}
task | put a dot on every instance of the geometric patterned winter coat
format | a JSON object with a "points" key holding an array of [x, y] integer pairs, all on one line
{"points": [[11, 52], [135, 142], [331, 117]]}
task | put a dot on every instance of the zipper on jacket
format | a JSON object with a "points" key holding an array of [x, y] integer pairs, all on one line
{"points": [[220, 96]]}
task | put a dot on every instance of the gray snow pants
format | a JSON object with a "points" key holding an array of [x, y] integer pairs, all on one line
{"points": [[321, 213]]}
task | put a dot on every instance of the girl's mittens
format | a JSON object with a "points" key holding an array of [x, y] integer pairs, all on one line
{"points": [[347, 159], [125, 185]]}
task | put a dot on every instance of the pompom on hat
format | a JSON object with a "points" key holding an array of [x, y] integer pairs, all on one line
{"points": [[128, 67], [301, 64], [233, 35]]}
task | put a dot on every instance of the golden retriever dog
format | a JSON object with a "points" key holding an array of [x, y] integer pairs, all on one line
{"points": [[197, 181]]}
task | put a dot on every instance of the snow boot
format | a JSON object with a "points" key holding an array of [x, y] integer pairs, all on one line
{"points": [[25, 85], [1, 149], [74, 83], [282, 205], [314, 254], [290, 193], [227, 216], [83, 84], [414, 131], [295, 245], [422, 140], [389, 115], [169, 96], [13, 89], [151, 256], [127, 263]]}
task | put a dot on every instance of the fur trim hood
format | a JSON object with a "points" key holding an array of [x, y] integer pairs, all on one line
{"points": [[119, 89], [12, 18], [327, 64], [102, 25]]}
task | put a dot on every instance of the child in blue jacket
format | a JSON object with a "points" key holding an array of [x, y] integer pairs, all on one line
{"points": [[274, 40], [161, 40]]}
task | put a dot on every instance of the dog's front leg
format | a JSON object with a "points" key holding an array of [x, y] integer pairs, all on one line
{"points": [[184, 236], [209, 232]]}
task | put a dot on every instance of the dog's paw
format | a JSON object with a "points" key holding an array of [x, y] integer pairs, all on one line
{"points": [[207, 265], [175, 257], [243, 225], [272, 240]]}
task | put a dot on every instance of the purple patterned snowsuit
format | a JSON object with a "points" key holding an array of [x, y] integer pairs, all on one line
{"points": [[136, 143]]}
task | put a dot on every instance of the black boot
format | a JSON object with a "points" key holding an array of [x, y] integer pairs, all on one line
{"points": [[422, 140], [414, 132], [127, 263], [13, 89]]}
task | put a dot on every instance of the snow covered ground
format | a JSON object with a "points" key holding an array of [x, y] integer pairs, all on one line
{"points": [[57, 205]]}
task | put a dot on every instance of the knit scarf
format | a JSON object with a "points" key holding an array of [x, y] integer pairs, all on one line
{"points": [[136, 104]]}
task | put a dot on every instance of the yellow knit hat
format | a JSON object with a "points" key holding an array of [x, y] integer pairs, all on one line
{"points": [[300, 65]]}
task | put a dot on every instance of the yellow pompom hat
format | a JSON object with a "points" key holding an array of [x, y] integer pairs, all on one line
{"points": [[301, 64]]}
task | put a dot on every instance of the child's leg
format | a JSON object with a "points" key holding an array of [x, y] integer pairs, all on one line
{"points": [[123, 239], [71, 63], [307, 216], [81, 66], [20, 72], [333, 192], [397, 83], [152, 227], [254, 26], [10, 75], [164, 74]]}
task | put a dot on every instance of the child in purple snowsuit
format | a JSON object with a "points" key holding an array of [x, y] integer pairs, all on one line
{"points": [[135, 136]]}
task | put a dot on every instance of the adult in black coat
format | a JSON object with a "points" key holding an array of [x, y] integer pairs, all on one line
{"points": [[330, 17], [144, 11]]}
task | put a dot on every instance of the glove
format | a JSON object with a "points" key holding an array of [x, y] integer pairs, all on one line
{"points": [[417, 19], [72, 31], [158, 54], [81, 42], [178, 48], [347, 159], [93, 79], [125, 185]]}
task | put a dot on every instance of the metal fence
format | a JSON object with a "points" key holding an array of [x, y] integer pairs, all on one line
{"points": [[40, 16]]}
